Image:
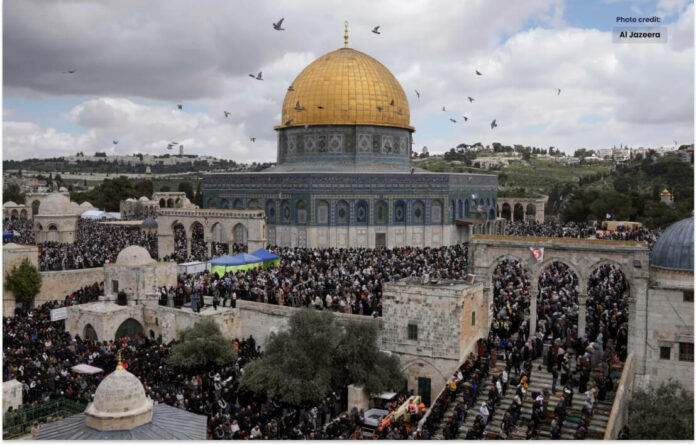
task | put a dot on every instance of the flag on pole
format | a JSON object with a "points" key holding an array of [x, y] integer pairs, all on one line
{"points": [[205, 219], [538, 253]]}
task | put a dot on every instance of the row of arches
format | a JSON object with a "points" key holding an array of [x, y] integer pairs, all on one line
{"points": [[14, 215], [517, 213], [464, 208], [343, 212], [170, 203]]}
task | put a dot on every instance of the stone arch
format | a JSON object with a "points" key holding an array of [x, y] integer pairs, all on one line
{"points": [[270, 211], [538, 268], [399, 212], [467, 208], [603, 297], [518, 212], [88, 333], [238, 204], [179, 231], [170, 203], [436, 212], [381, 213], [421, 367], [418, 212], [23, 214], [342, 212], [531, 211], [129, 328], [506, 211], [254, 204], [218, 233], [323, 212], [241, 234], [285, 213], [14, 214], [163, 203], [35, 206], [224, 203], [197, 233], [362, 212], [53, 235], [301, 212], [39, 227]]}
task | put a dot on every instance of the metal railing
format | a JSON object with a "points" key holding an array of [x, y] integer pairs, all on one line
{"points": [[19, 422]]}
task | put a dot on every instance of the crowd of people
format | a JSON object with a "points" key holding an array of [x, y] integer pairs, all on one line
{"points": [[22, 230], [95, 244], [343, 280], [580, 230]]}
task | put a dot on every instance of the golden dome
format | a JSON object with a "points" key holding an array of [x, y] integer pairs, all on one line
{"points": [[664, 192], [351, 88]]}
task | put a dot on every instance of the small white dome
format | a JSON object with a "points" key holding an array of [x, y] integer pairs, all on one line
{"points": [[9, 204], [143, 198], [120, 403], [86, 205], [62, 189], [134, 256]]}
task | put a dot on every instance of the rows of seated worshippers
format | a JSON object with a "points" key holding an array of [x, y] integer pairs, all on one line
{"points": [[22, 229], [95, 244], [345, 280]]}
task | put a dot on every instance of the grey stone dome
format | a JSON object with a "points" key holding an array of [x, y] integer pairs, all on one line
{"points": [[119, 403], [674, 250], [134, 256], [149, 223]]}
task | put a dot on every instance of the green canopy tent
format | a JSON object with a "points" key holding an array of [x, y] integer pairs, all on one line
{"points": [[227, 263], [267, 257]]}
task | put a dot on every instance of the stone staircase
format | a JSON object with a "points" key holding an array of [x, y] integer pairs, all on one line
{"points": [[540, 380]]}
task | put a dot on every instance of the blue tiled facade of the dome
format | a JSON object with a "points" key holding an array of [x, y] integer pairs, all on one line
{"points": [[674, 250]]}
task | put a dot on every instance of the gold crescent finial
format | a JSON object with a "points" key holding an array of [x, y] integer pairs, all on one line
{"points": [[345, 35], [119, 366]]}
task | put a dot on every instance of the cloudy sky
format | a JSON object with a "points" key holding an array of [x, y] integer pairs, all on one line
{"points": [[135, 60]]}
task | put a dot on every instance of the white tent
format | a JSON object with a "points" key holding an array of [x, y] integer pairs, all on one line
{"points": [[97, 214], [86, 369]]}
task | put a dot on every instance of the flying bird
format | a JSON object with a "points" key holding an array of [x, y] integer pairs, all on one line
{"points": [[559, 91], [287, 124], [376, 30], [443, 109], [453, 120], [675, 143], [115, 141], [277, 26], [252, 139], [170, 146], [465, 118], [379, 108], [320, 107], [471, 99], [227, 113], [478, 73], [391, 103], [417, 93], [290, 88], [179, 106], [70, 72], [298, 107], [259, 76], [173, 143], [493, 124]]}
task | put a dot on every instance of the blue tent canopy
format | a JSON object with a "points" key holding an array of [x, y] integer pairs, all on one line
{"points": [[6, 236], [225, 260], [245, 258], [265, 255]]}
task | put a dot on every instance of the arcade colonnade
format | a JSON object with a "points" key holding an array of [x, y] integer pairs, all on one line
{"points": [[247, 227], [583, 257], [532, 208]]}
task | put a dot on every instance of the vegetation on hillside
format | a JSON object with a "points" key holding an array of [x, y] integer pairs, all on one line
{"points": [[661, 413], [108, 195]]}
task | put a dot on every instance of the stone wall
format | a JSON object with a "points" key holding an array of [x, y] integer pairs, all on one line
{"points": [[619, 409], [11, 395], [57, 284]]}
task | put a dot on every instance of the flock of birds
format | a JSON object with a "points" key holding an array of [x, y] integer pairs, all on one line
{"points": [[278, 26]]}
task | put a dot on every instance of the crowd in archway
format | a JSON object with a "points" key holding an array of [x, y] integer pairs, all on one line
{"points": [[344, 280], [22, 229]]}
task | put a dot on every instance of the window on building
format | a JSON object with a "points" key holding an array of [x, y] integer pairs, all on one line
{"points": [[413, 332], [473, 318], [114, 286], [688, 296], [686, 352], [665, 352]]}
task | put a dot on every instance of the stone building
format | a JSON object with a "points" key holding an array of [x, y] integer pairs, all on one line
{"points": [[667, 348], [531, 209], [13, 211], [432, 327], [57, 219], [173, 200], [121, 410], [344, 176], [136, 274], [139, 208]]}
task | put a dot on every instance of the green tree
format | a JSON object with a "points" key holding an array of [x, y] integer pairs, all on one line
{"points": [[24, 281], [12, 192], [187, 188], [661, 413], [201, 346], [318, 354]]}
